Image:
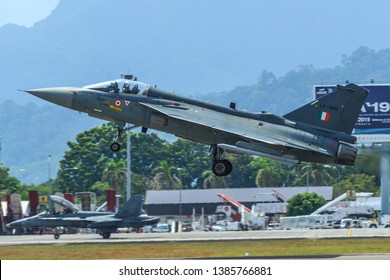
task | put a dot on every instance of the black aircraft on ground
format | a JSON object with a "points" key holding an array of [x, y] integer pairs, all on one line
{"points": [[131, 215]]}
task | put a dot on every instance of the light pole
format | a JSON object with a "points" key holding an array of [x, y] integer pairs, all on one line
{"points": [[0, 149], [338, 178], [307, 176], [16, 172], [59, 175], [181, 187], [49, 169], [128, 164], [117, 198]]}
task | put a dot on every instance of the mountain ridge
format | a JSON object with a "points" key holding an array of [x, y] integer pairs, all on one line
{"points": [[262, 55], [191, 47]]}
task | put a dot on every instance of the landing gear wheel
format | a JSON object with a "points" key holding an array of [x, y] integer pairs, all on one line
{"points": [[106, 235], [222, 167], [115, 147], [56, 235]]}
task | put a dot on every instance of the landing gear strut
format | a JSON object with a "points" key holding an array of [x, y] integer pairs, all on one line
{"points": [[220, 166], [115, 146]]}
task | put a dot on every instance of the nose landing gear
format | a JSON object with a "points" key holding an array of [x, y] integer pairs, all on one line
{"points": [[115, 146]]}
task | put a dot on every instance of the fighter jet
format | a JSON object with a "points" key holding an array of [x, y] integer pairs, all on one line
{"points": [[318, 132], [131, 215]]}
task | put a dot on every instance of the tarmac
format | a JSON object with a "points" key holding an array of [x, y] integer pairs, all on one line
{"points": [[194, 236], [201, 236]]}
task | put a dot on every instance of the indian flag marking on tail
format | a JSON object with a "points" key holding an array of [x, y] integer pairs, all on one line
{"points": [[323, 116]]}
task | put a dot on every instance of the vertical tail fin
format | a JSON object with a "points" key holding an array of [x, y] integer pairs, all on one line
{"points": [[132, 208], [337, 110]]}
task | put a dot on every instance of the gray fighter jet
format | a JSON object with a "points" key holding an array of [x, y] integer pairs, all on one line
{"points": [[131, 215], [318, 132]]}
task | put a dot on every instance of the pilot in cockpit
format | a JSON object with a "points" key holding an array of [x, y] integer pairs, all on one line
{"points": [[126, 88], [135, 89], [53, 211], [114, 87]]}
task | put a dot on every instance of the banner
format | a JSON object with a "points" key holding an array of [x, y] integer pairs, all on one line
{"points": [[373, 123]]}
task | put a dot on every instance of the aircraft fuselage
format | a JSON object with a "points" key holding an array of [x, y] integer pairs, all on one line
{"points": [[317, 132]]}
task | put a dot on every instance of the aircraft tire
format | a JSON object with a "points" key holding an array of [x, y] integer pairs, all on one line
{"points": [[222, 167], [106, 235], [115, 147], [56, 236]]}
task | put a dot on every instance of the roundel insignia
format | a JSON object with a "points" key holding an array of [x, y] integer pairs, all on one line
{"points": [[118, 103]]}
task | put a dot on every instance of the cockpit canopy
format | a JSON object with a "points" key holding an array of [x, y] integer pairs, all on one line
{"points": [[64, 203], [120, 86]]}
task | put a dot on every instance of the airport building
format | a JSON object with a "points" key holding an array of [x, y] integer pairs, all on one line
{"points": [[173, 204]]}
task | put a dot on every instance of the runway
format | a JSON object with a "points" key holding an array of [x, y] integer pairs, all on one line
{"points": [[195, 236]]}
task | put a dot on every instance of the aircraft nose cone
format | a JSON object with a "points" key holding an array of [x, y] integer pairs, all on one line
{"points": [[60, 96], [14, 224]]}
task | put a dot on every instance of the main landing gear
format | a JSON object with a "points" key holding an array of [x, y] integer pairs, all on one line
{"points": [[105, 234], [220, 166]]}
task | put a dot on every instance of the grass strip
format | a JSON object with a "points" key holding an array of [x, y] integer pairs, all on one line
{"points": [[216, 249]]}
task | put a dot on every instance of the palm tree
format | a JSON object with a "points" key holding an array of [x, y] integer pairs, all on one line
{"points": [[315, 175], [213, 182], [115, 174], [267, 177], [165, 178]]}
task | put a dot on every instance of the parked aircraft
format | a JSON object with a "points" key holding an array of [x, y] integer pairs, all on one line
{"points": [[131, 215], [318, 132]]}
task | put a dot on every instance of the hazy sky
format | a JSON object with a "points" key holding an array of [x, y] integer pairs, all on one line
{"points": [[25, 12]]}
